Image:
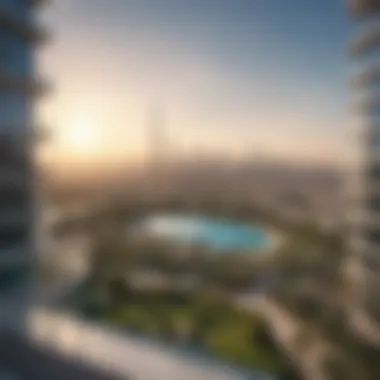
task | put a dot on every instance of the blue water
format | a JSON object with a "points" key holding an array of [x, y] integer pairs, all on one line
{"points": [[219, 235]]}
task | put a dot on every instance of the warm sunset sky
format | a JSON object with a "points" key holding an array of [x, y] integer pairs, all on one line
{"points": [[266, 76]]}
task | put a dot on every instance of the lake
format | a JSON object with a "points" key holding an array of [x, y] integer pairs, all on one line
{"points": [[217, 234]]}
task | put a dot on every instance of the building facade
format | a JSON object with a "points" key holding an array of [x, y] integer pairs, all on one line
{"points": [[19, 87], [365, 51]]}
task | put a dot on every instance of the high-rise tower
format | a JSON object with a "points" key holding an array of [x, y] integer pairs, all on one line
{"points": [[158, 148], [365, 50], [19, 86], [156, 134]]}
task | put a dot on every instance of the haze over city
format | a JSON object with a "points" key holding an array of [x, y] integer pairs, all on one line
{"points": [[239, 78]]}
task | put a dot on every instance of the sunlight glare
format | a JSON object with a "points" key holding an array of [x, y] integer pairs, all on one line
{"points": [[80, 137]]}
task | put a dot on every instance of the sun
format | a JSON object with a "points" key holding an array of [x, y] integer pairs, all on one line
{"points": [[80, 138]]}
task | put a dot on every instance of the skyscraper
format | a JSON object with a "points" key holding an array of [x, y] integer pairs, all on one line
{"points": [[158, 146], [19, 86], [365, 49]]}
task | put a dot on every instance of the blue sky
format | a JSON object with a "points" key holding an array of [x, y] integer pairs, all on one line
{"points": [[237, 76]]}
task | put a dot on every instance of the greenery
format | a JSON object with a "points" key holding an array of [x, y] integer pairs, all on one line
{"points": [[198, 320], [306, 269]]}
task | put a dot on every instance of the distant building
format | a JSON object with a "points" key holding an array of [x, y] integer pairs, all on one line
{"points": [[20, 357], [157, 142], [19, 86], [365, 49]]}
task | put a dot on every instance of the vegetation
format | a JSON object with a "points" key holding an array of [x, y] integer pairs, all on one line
{"points": [[306, 269], [197, 320]]}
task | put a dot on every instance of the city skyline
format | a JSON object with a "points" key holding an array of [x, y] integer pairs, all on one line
{"points": [[232, 77]]}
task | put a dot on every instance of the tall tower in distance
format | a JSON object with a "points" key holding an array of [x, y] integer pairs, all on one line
{"points": [[158, 147], [19, 86], [365, 49]]}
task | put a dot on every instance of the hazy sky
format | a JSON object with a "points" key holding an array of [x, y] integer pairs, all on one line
{"points": [[241, 76]]}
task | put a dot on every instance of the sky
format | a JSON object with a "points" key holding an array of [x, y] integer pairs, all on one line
{"points": [[241, 77]]}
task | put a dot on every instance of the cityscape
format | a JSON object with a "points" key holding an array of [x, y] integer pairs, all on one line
{"points": [[179, 197]]}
